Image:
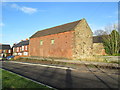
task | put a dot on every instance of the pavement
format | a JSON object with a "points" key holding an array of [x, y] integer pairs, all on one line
{"points": [[65, 77]]}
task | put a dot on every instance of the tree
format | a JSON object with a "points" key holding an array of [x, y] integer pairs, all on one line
{"points": [[100, 32], [112, 43]]}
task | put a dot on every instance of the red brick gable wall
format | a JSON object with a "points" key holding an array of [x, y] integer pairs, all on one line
{"points": [[0, 51], [61, 48]]}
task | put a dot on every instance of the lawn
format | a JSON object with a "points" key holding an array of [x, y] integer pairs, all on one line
{"points": [[12, 80]]}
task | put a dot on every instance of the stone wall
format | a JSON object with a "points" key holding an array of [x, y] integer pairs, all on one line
{"points": [[98, 49], [83, 42]]}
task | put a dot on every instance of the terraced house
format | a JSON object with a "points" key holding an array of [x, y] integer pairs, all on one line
{"points": [[21, 48], [5, 50], [71, 40]]}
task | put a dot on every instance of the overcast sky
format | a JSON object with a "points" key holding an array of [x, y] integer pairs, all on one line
{"points": [[20, 20]]}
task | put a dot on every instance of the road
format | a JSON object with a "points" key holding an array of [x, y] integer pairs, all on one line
{"points": [[59, 78]]}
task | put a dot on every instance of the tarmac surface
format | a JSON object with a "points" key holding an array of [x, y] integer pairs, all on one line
{"points": [[65, 77]]}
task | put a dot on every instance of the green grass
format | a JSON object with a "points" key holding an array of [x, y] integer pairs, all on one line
{"points": [[11, 80]]}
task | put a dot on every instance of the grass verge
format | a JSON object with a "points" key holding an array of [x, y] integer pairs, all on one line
{"points": [[11, 80]]}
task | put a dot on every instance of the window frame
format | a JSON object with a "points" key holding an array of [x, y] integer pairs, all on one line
{"points": [[26, 48], [41, 42], [22, 48], [9, 51], [52, 41]]}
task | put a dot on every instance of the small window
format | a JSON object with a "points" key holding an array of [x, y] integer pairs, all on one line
{"points": [[9, 51], [52, 41], [22, 48], [17, 49], [25, 47], [41, 42]]}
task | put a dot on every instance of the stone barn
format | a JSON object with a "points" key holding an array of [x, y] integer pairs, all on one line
{"points": [[98, 47], [71, 40]]}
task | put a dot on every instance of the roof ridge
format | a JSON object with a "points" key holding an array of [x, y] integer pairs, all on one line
{"points": [[4, 44], [56, 29], [59, 25]]}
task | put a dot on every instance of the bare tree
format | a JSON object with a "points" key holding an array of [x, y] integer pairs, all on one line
{"points": [[100, 32], [109, 28]]}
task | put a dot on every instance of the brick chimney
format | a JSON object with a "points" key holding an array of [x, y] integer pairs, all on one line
{"points": [[26, 38], [14, 44]]}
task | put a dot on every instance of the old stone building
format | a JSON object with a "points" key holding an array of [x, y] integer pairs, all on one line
{"points": [[71, 40], [98, 47]]}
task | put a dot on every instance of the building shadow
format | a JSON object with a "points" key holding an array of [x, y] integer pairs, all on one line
{"points": [[68, 81], [99, 78], [106, 73]]}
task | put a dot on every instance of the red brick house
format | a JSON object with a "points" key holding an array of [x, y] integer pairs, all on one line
{"points": [[71, 40], [5, 50], [21, 48]]}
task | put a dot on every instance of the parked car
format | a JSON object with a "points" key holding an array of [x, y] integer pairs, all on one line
{"points": [[10, 57], [0, 58]]}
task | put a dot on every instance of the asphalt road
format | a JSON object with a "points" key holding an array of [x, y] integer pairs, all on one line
{"points": [[84, 77]]}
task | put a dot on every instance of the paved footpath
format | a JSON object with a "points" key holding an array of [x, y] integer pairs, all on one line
{"points": [[64, 77]]}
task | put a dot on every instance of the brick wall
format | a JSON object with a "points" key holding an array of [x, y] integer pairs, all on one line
{"points": [[0, 51], [62, 47]]}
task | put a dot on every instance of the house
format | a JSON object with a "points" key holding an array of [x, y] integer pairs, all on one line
{"points": [[70, 40], [21, 48], [5, 50], [98, 47]]}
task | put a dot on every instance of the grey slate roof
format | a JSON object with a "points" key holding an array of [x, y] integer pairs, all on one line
{"points": [[22, 43], [57, 29], [97, 39], [4, 46]]}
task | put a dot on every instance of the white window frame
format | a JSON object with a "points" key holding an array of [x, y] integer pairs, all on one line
{"points": [[52, 41], [17, 49], [25, 53], [13, 49], [22, 48], [9, 51], [41, 42], [26, 47], [20, 54]]}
